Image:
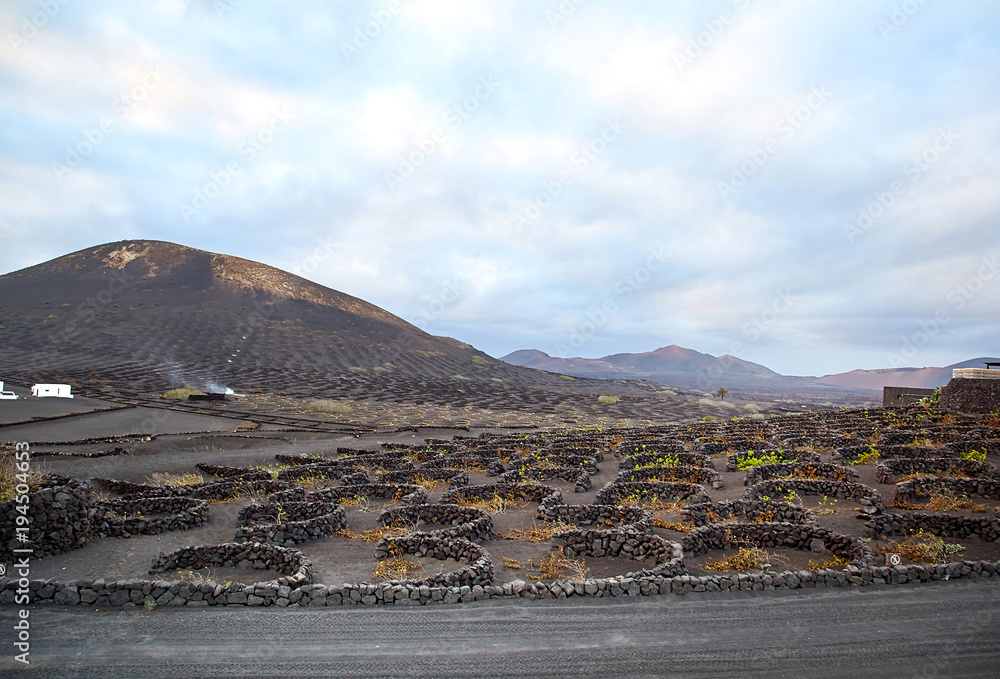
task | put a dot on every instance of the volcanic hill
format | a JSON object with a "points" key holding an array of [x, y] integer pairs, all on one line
{"points": [[144, 316]]}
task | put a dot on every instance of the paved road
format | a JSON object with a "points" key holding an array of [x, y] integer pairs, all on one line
{"points": [[946, 630]]}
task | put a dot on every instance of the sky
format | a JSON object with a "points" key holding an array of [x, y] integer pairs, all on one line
{"points": [[809, 185]]}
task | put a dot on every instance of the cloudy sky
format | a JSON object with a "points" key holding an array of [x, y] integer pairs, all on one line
{"points": [[809, 185]]}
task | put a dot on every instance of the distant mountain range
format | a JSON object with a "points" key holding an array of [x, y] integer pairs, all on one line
{"points": [[674, 365], [925, 378]]}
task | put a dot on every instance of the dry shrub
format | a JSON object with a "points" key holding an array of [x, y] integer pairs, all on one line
{"points": [[329, 407], [511, 563], [949, 502], [835, 562], [428, 484], [535, 533], [650, 501], [271, 469], [11, 476], [556, 566], [497, 504], [680, 526], [375, 534], [924, 548], [363, 503], [745, 559], [310, 482], [166, 479], [395, 567], [945, 501]]}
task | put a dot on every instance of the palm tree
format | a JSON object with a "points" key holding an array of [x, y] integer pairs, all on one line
{"points": [[721, 393]]}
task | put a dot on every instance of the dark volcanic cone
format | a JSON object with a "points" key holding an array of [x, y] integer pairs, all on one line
{"points": [[147, 315]]}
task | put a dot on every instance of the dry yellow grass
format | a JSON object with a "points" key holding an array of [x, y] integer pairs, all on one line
{"points": [[497, 504], [536, 533], [375, 534], [745, 559], [556, 566], [660, 522]]}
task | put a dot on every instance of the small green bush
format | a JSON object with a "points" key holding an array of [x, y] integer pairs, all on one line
{"points": [[609, 398], [182, 393], [753, 459], [331, 407]]}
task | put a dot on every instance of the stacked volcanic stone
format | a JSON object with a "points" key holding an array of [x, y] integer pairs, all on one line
{"points": [[404, 492], [823, 470], [124, 518], [635, 518], [61, 516], [233, 472], [324, 470], [467, 522], [295, 568], [988, 446], [889, 470], [586, 462], [646, 459], [613, 492], [869, 498], [219, 490], [300, 459], [732, 463], [770, 535], [850, 454], [626, 543], [480, 565], [935, 523], [358, 478], [672, 473], [224, 490], [736, 445], [134, 592], [456, 478], [745, 511], [548, 496], [299, 522], [576, 475], [907, 491]]}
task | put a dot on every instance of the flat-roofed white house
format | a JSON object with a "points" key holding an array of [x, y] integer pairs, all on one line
{"points": [[7, 395], [57, 390]]}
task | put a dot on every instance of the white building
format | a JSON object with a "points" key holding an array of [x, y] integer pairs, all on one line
{"points": [[59, 390], [6, 395]]}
